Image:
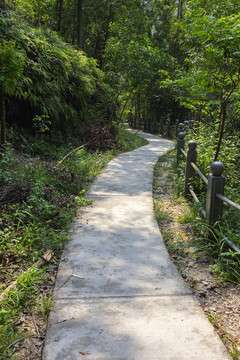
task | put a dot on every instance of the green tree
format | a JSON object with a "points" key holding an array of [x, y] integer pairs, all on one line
{"points": [[79, 23], [132, 60], [11, 65], [36, 12], [57, 80], [209, 77]]}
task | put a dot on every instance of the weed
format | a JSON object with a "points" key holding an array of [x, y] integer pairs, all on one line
{"points": [[20, 298], [129, 141], [81, 200], [168, 235], [227, 262], [215, 319], [9, 165], [235, 353], [41, 220], [235, 349], [175, 247], [45, 304], [176, 175], [161, 216]]}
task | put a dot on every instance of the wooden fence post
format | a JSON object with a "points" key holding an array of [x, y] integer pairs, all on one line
{"points": [[216, 184], [180, 145], [181, 128], [190, 172]]}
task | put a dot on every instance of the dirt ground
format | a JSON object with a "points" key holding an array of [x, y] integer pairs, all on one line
{"points": [[220, 300]]}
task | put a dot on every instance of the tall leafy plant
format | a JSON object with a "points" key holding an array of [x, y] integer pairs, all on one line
{"points": [[11, 65], [210, 75], [57, 80]]}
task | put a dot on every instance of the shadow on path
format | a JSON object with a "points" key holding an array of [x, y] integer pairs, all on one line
{"points": [[117, 295]]}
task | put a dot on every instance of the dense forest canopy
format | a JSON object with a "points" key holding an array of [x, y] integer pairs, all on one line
{"points": [[77, 61]]}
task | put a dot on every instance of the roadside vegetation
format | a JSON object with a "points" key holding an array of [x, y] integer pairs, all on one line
{"points": [[38, 200], [228, 260], [210, 268]]}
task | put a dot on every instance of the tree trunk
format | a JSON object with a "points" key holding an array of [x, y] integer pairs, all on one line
{"points": [[223, 113], [2, 4], [2, 116], [124, 107], [105, 37], [180, 6], [59, 10], [79, 23], [138, 107]]}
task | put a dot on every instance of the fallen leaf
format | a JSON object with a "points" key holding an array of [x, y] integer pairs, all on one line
{"points": [[82, 353], [79, 277]]}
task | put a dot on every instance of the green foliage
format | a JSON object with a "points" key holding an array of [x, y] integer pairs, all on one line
{"points": [[47, 145], [206, 76], [36, 12], [135, 51], [136, 57], [129, 141], [57, 81], [227, 261], [206, 139], [41, 124], [46, 302], [160, 215], [11, 64], [84, 166], [212, 61], [9, 169], [81, 199], [21, 298], [132, 41], [40, 221]]}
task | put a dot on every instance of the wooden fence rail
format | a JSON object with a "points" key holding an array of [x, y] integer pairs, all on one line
{"points": [[215, 182]]}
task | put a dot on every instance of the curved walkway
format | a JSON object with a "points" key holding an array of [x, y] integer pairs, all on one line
{"points": [[117, 295]]}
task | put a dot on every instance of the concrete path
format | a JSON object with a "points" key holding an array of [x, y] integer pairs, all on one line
{"points": [[117, 295]]}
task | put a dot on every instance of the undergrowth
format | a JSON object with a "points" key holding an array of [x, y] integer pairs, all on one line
{"points": [[208, 266], [226, 261], [38, 200]]}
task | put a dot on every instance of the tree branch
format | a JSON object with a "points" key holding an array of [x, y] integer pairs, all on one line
{"points": [[70, 152]]}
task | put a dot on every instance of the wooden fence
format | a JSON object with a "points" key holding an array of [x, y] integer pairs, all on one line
{"points": [[215, 183], [162, 126]]}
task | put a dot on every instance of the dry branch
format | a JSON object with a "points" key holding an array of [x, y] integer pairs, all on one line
{"points": [[40, 263], [70, 152]]}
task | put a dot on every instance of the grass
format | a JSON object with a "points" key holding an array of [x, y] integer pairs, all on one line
{"points": [[160, 215], [169, 179], [130, 141], [163, 186], [197, 257], [41, 201], [227, 262]]}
